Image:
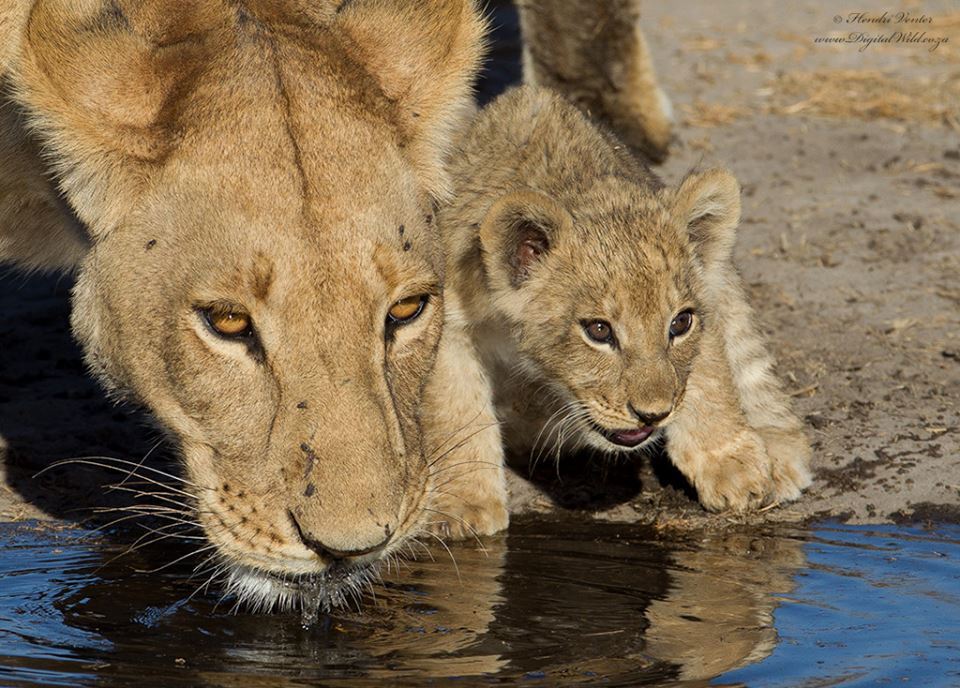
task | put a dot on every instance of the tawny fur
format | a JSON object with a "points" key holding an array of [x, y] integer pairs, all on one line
{"points": [[282, 158], [594, 52], [619, 247], [37, 228]]}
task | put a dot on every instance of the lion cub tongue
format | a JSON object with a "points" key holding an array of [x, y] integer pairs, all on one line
{"points": [[631, 438]]}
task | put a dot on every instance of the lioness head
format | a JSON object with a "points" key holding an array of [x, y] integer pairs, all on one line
{"points": [[603, 288], [258, 180]]}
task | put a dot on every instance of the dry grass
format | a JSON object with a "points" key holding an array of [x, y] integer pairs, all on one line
{"points": [[701, 114], [868, 95]]}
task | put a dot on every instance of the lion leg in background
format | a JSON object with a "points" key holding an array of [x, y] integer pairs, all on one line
{"points": [[37, 230], [467, 487], [764, 403], [710, 441], [594, 52]]}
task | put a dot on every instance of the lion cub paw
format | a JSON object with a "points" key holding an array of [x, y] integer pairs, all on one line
{"points": [[467, 521], [737, 477], [789, 453]]}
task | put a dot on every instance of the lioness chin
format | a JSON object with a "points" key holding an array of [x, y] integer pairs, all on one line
{"points": [[607, 309], [256, 180]]}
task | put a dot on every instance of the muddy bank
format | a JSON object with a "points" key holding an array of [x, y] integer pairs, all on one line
{"points": [[850, 245]]}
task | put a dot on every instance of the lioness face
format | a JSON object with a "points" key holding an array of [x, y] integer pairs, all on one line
{"points": [[605, 305], [285, 342], [258, 179]]}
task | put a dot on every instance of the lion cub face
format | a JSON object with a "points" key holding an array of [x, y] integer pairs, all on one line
{"points": [[603, 294], [258, 179]]}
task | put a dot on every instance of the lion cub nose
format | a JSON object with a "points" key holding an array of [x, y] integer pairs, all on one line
{"points": [[649, 418], [332, 554]]}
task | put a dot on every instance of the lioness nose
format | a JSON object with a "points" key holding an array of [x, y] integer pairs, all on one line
{"points": [[649, 418], [330, 553]]}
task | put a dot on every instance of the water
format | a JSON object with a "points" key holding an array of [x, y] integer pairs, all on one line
{"points": [[555, 603]]}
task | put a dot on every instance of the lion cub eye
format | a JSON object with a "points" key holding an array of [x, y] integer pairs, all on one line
{"points": [[681, 324], [229, 324], [599, 331], [406, 310]]}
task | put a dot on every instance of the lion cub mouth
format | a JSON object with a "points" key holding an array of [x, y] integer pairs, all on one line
{"points": [[627, 438]]}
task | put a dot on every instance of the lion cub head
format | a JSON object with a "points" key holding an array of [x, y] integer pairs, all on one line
{"points": [[596, 269], [258, 180]]}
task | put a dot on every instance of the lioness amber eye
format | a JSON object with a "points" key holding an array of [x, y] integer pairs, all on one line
{"points": [[406, 310], [229, 324], [681, 324], [599, 331]]}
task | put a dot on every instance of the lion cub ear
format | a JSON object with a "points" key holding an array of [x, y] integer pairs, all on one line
{"points": [[708, 204], [517, 232], [425, 55]]}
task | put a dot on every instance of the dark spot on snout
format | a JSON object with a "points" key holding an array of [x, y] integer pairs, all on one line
{"points": [[311, 489], [151, 244], [401, 230], [311, 459], [302, 405], [407, 246], [226, 487]]}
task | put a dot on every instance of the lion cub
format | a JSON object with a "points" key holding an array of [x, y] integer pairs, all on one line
{"points": [[606, 306]]}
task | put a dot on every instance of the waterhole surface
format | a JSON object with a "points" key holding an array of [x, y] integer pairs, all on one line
{"points": [[556, 603]]}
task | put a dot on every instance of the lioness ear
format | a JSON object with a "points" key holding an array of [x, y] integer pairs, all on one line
{"points": [[518, 231], [425, 55], [709, 206], [98, 79]]}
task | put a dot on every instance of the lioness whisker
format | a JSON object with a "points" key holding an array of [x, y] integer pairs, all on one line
{"points": [[143, 508], [461, 443], [178, 560], [164, 517], [205, 585], [97, 461], [142, 542], [186, 526], [139, 464], [456, 431], [449, 551], [466, 525], [172, 497], [443, 469], [464, 474]]}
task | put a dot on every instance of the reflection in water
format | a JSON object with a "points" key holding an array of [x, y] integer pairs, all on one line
{"points": [[555, 603], [718, 614]]}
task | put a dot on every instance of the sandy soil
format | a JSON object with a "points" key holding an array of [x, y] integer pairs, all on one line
{"points": [[850, 244]]}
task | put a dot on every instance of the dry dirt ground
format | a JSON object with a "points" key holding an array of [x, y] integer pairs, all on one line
{"points": [[850, 245]]}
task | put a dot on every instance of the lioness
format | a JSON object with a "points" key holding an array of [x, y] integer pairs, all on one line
{"points": [[260, 268], [606, 307]]}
